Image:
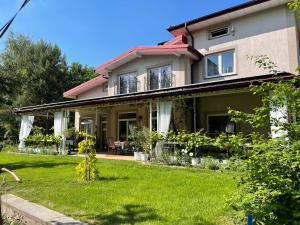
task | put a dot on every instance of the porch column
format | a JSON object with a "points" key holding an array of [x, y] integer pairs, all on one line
{"points": [[195, 114], [26, 126], [60, 125], [278, 117], [164, 110], [150, 117]]}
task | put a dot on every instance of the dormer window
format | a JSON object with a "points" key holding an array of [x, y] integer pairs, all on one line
{"points": [[105, 87], [219, 32], [160, 77], [220, 64], [128, 83]]}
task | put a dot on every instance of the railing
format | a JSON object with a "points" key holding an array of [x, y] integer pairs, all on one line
{"points": [[126, 89], [172, 83]]}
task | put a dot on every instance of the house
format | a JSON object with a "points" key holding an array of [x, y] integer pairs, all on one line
{"points": [[188, 82]]}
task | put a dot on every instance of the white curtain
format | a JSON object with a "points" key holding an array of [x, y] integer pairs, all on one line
{"points": [[60, 125], [164, 110], [26, 126], [280, 115]]}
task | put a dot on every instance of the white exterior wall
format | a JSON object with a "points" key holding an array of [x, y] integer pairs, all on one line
{"points": [[179, 65], [95, 92], [272, 32]]}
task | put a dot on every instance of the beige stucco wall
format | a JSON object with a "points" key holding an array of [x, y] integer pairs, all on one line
{"points": [[182, 114], [271, 32], [218, 105], [95, 92], [179, 64]]}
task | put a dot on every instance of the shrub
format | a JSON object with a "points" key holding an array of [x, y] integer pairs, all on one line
{"points": [[87, 169], [144, 140], [270, 183], [9, 148], [41, 141], [209, 163], [270, 178]]}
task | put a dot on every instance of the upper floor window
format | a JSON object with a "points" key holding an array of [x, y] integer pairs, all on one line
{"points": [[220, 64], [219, 32], [105, 87], [160, 77], [128, 83]]}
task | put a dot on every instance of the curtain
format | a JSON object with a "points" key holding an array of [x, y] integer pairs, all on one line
{"points": [[26, 126], [60, 125], [164, 110], [278, 114]]}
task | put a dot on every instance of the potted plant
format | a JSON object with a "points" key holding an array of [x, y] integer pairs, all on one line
{"points": [[136, 154], [135, 142], [194, 160]]}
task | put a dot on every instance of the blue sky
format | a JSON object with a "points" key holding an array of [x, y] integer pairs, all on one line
{"points": [[93, 31]]}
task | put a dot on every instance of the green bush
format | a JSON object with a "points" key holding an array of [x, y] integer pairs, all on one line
{"points": [[271, 183], [42, 141], [9, 148], [270, 175], [210, 163]]}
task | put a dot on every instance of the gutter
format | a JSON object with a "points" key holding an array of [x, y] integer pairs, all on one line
{"points": [[152, 94], [219, 13]]}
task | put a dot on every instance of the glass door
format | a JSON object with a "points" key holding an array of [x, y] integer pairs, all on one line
{"points": [[103, 132], [127, 123], [86, 126]]}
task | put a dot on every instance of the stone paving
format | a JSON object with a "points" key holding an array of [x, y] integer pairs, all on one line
{"points": [[33, 214], [111, 156]]}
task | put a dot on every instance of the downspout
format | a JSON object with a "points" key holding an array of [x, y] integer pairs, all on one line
{"points": [[190, 34], [192, 80]]}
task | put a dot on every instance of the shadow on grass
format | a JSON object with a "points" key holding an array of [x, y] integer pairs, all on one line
{"points": [[41, 164], [201, 221], [130, 214], [112, 178]]}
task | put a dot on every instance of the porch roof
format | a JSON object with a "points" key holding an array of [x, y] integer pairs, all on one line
{"points": [[155, 94]]}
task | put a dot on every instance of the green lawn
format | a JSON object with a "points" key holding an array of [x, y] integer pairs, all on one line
{"points": [[128, 193]]}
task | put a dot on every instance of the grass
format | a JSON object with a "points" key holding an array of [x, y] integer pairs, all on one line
{"points": [[128, 192]]}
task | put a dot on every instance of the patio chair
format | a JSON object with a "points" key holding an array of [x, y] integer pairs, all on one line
{"points": [[111, 145]]}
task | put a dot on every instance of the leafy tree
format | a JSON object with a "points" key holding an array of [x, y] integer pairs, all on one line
{"points": [[270, 178], [33, 73], [77, 74]]}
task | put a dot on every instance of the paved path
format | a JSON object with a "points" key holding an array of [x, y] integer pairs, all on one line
{"points": [[111, 156], [33, 214]]}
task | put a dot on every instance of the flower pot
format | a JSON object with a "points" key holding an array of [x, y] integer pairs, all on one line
{"points": [[195, 161], [225, 161], [144, 157], [137, 156], [173, 159]]}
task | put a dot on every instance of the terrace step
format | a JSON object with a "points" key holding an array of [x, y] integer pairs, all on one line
{"points": [[30, 213]]}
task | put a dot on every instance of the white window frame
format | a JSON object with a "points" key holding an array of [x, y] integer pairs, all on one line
{"points": [[126, 120], [212, 115], [220, 64], [127, 74], [87, 120], [159, 76]]}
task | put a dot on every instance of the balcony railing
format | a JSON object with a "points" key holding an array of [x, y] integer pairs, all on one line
{"points": [[148, 85], [159, 84], [127, 88]]}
